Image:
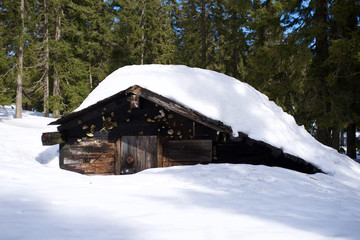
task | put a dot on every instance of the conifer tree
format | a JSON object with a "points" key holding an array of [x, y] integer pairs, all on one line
{"points": [[276, 63], [20, 54], [46, 58], [228, 54], [144, 32], [56, 97], [344, 67], [195, 25]]}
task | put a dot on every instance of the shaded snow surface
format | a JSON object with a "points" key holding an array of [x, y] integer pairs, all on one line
{"points": [[39, 201], [226, 99]]}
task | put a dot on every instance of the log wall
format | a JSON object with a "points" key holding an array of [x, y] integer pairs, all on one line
{"points": [[191, 152], [88, 156]]}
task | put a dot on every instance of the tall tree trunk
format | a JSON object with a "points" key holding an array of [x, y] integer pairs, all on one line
{"points": [[142, 36], [342, 137], [346, 23], [90, 77], [320, 23], [351, 140], [19, 80], [46, 60], [203, 33], [320, 72], [335, 136], [56, 83]]}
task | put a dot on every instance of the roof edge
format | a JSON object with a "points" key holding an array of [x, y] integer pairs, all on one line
{"points": [[178, 108], [156, 98]]}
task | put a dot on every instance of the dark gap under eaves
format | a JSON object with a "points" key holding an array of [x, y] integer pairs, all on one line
{"points": [[244, 150]]}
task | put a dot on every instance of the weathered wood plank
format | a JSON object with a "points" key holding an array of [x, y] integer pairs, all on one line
{"points": [[131, 144], [88, 156], [190, 151], [143, 149], [117, 157], [134, 101], [160, 152], [141, 153], [123, 153], [151, 152], [51, 138]]}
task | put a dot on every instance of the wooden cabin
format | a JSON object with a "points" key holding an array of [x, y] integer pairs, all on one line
{"points": [[137, 129]]}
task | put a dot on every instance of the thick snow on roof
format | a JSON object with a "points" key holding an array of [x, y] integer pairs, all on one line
{"points": [[226, 99]]}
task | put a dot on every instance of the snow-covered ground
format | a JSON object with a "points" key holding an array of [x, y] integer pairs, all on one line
{"points": [[40, 201]]}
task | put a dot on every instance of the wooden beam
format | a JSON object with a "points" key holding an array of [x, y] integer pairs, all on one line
{"points": [[190, 151], [112, 103], [171, 105], [117, 157], [51, 138], [134, 101], [89, 115], [95, 107]]}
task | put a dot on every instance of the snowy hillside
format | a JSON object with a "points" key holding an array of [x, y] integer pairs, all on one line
{"points": [[40, 201]]}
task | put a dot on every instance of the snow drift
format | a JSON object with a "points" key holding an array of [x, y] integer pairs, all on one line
{"points": [[226, 99], [39, 201]]}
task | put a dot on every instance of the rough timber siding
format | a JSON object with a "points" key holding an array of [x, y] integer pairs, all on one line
{"points": [[164, 156], [142, 149], [190, 151], [89, 156]]}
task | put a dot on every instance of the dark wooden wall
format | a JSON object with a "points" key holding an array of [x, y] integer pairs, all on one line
{"points": [[135, 153], [100, 140], [183, 152], [88, 155]]}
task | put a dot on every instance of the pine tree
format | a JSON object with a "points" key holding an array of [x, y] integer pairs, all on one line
{"points": [[228, 54], [345, 66], [20, 54], [80, 50], [275, 63], [308, 23], [194, 24], [46, 59], [144, 32], [319, 71], [8, 11], [56, 97]]}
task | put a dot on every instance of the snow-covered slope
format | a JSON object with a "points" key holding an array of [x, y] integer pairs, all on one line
{"points": [[39, 201], [226, 99]]}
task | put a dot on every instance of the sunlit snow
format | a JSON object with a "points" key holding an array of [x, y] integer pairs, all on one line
{"points": [[39, 201]]}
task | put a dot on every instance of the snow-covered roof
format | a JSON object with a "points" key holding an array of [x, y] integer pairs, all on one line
{"points": [[224, 99]]}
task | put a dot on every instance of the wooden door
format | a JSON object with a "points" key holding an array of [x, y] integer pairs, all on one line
{"points": [[135, 153]]}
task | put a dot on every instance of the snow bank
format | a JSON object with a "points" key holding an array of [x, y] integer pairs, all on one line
{"points": [[39, 201], [226, 99]]}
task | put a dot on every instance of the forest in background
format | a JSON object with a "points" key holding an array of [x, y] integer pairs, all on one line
{"points": [[303, 54]]}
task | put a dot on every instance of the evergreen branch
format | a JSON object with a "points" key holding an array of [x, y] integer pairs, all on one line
{"points": [[9, 70], [349, 76], [36, 65]]}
